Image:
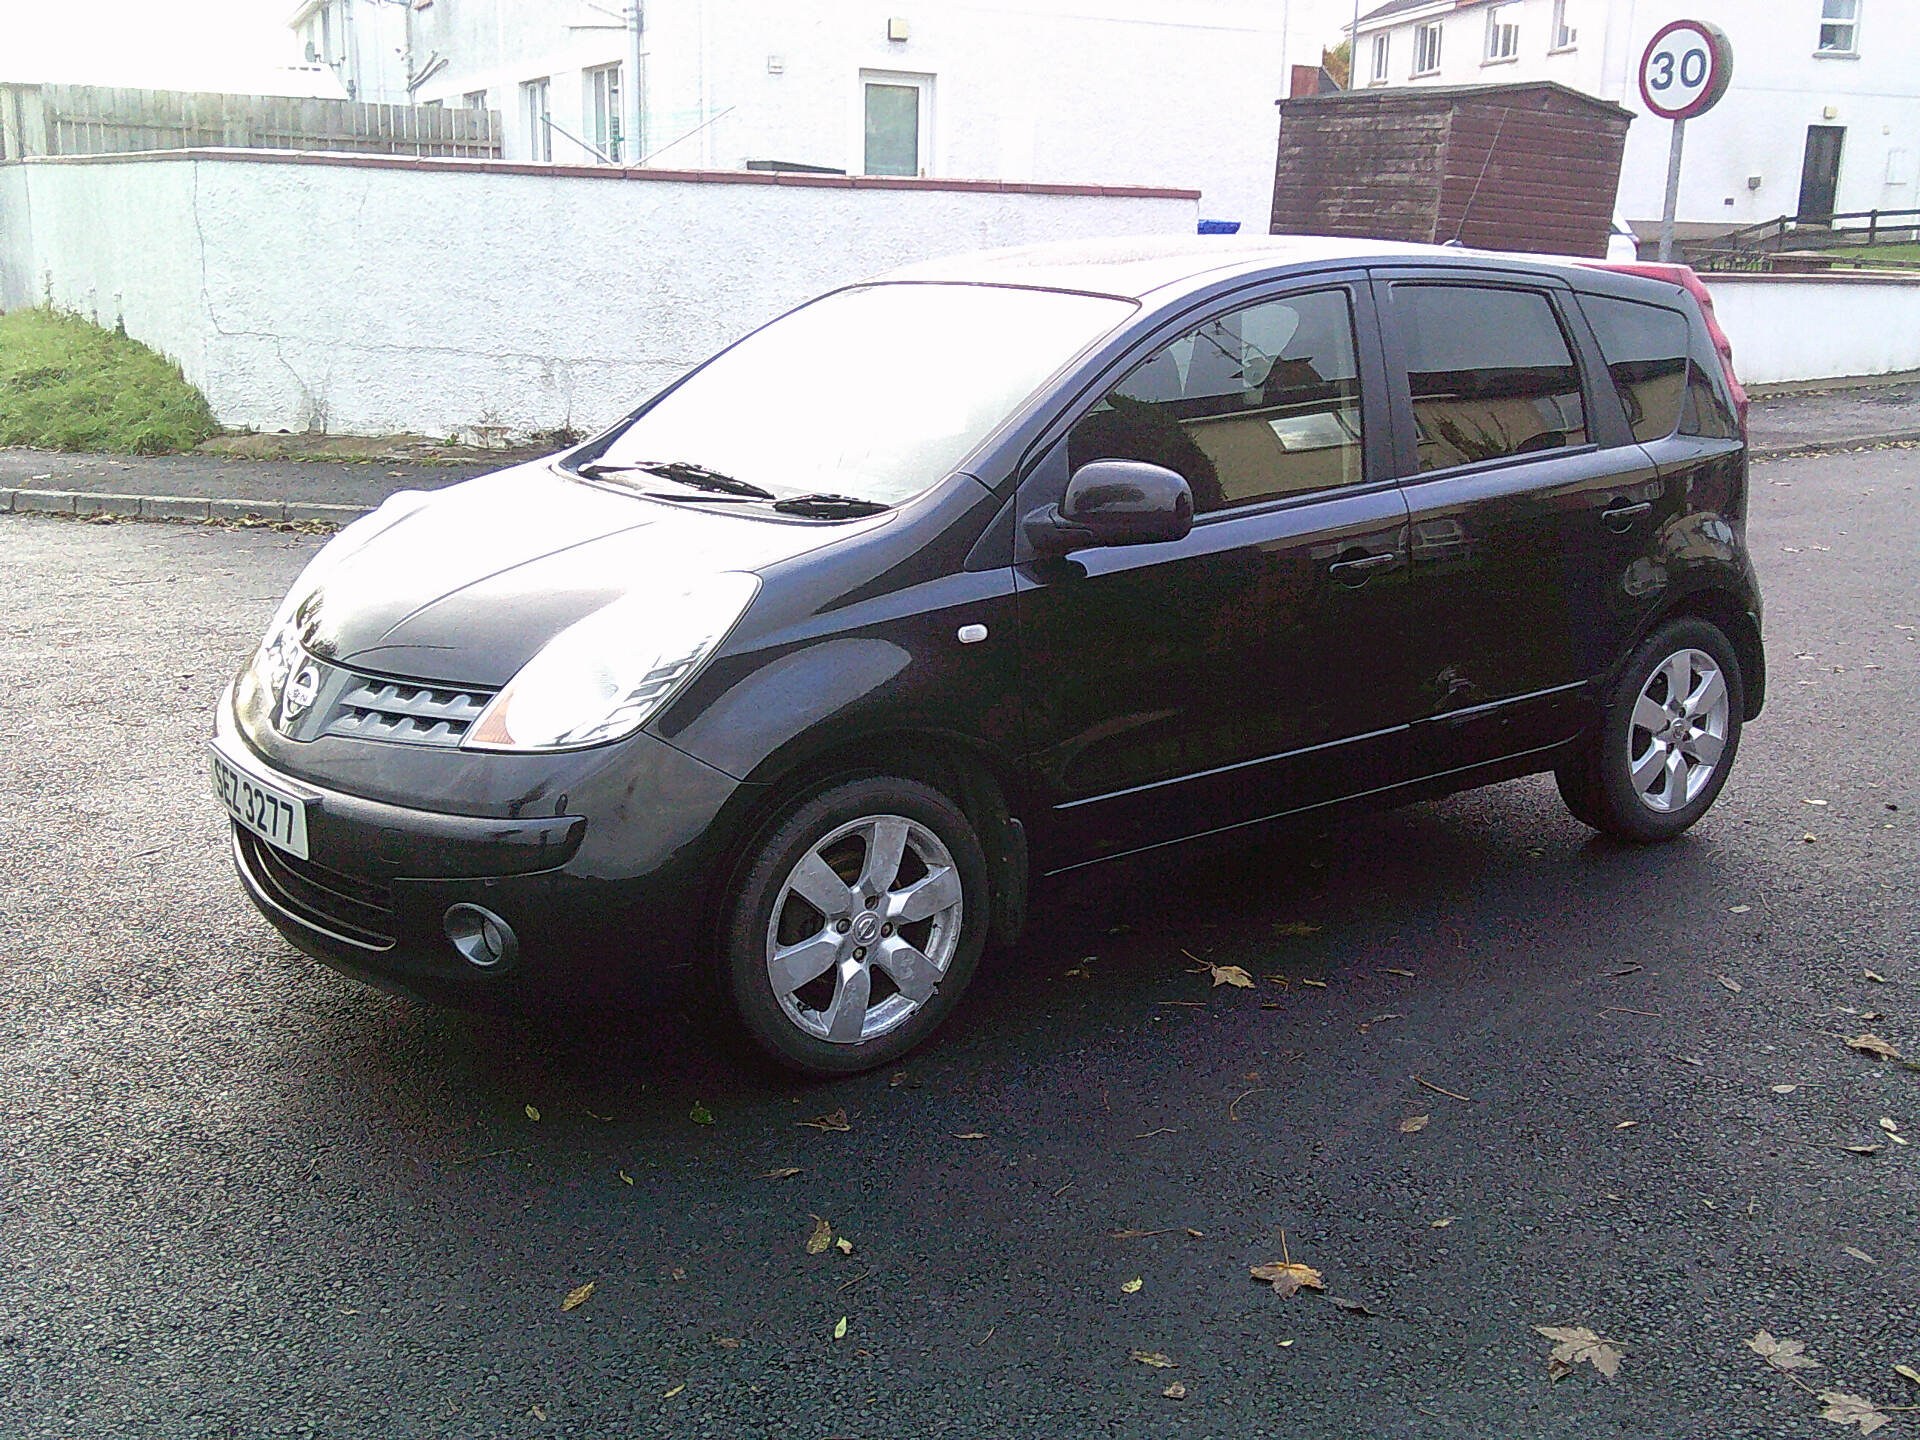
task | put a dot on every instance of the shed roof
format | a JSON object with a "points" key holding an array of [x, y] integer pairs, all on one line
{"points": [[1405, 94]]}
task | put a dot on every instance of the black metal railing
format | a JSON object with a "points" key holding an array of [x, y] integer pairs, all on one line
{"points": [[1758, 247]]}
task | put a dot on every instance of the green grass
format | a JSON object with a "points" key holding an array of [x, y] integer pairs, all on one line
{"points": [[67, 384]]}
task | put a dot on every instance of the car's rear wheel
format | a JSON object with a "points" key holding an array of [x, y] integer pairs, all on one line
{"points": [[1666, 738], [858, 921]]}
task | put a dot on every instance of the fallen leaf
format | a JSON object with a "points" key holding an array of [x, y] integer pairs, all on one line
{"points": [[536, 1412], [836, 1121], [820, 1237], [699, 1114], [1441, 1223], [840, 1328], [1873, 1045], [1877, 979], [576, 1298], [1845, 1409], [1626, 1124], [726, 1342], [1863, 1149], [972, 1135], [626, 1177], [1888, 1125], [1230, 975], [1859, 1254], [1403, 974], [1352, 1307], [678, 1273], [785, 1172], [1907, 1372], [1295, 927], [1413, 1123], [1785, 1089], [1740, 909], [1813, 802], [1138, 1234], [533, 1112], [1132, 1287], [1175, 1391], [1284, 1344], [843, 1245], [1288, 1276], [674, 1391], [1575, 1343], [1196, 1234], [1316, 984], [1810, 838], [1731, 983], [1782, 1354], [1153, 1358], [1897, 1139]]}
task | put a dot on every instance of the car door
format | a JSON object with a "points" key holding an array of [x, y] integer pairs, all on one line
{"points": [[1251, 668], [1524, 500]]}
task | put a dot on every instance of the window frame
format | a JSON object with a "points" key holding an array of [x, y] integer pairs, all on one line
{"points": [[539, 130], [1606, 426], [598, 84], [917, 80], [1381, 58], [1041, 474], [1431, 29], [1503, 38], [1851, 50], [1562, 37]]}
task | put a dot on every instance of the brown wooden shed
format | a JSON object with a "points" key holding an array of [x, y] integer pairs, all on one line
{"points": [[1501, 167]]}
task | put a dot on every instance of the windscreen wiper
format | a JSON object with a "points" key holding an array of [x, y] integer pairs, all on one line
{"points": [[827, 507], [681, 472]]}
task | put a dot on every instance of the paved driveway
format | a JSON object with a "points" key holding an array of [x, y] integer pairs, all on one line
{"points": [[240, 1196]]}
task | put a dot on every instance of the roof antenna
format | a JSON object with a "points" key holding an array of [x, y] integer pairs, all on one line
{"points": [[1492, 145]]}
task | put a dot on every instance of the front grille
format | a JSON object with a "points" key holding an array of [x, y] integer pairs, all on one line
{"points": [[411, 714], [353, 909]]}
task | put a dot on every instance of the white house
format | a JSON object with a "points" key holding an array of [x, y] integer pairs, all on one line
{"points": [[1068, 91], [363, 42], [1823, 113]]}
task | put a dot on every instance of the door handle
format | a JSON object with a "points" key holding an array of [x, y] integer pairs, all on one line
{"points": [[1620, 518], [1356, 572]]}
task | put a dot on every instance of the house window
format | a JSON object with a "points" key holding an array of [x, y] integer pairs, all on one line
{"points": [[896, 121], [1426, 49], [534, 97], [1378, 73], [1565, 37], [1503, 36], [603, 111], [1839, 27], [474, 100]]}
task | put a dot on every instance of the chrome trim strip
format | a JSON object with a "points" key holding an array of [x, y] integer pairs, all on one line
{"points": [[1229, 769], [267, 902]]}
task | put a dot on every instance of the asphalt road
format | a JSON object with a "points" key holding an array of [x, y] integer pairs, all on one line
{"points": [[242, 1197]]}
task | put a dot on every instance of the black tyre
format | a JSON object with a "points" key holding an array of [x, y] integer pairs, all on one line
{"points": [[1666, 738], [856, 924]]}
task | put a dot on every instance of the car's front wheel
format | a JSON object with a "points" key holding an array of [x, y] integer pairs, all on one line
{"points": [[1666, 739], [857, 922]]}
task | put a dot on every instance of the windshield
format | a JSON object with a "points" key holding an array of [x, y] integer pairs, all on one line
{"points": [[874, 393]]}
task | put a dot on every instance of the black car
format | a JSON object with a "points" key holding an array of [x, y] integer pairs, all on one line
{"points": [[992, 569]]}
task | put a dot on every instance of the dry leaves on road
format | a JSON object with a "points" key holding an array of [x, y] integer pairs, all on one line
{"points": [[1845, 1409], [1287, 1276], [840, 1328], [1295, 927], [699, 1114], [785, 1172], [1352, 1307], [836, 1120], [1731, 983], [533, 1112], [1153, 1358], [578, 1297], [1575, 1343], [1132, 1287], [820, 1237], [1784, 1355], [1175, 1391], [1414, 1122], [1222, 974], [1871, 1044]]}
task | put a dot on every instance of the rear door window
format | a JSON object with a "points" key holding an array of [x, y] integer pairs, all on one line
{"points": [[1489, 372], [1257, 404], [1646, 352]]}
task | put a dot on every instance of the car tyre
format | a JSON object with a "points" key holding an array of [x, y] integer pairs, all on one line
{"points": [[857, 921], [1666, 738]]}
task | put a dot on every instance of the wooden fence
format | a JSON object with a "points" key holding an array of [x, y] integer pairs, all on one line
{"points": [[96, 120]]}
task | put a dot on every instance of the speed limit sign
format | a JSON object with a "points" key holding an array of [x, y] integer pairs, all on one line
{"points": [[1686, 69]]}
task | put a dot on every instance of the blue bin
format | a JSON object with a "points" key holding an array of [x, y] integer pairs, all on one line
{"points": [[1219, 227]]}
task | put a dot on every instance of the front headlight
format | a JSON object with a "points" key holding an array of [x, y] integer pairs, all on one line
{"points": [[602, 677]]}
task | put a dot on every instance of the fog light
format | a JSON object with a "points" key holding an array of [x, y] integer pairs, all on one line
{"points": [[483, 939]]}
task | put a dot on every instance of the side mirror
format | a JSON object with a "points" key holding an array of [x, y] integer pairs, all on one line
{"points": [[1113, 502]]}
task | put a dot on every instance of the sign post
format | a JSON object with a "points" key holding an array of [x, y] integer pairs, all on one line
{"points": [[1686, 69]]}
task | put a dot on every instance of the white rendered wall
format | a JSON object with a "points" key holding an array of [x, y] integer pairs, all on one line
{"points": [[362, 297], [1818, 327]]}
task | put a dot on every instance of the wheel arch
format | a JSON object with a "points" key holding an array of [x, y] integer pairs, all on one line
{"points": [[1731, 615]]}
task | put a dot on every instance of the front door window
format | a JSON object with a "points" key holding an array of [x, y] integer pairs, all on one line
{"points": [[895, 122]]}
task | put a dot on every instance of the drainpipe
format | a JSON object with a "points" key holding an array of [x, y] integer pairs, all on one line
{"points": [[637, 89]]}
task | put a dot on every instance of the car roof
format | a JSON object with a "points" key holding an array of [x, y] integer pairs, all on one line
{"points": [[1137, 267]]}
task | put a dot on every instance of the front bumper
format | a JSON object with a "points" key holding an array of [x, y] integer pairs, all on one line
{"points": [[593, 896]]}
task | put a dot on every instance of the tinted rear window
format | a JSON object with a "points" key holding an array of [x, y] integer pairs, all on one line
{"points": [[1490, 373], [1646, 351]]}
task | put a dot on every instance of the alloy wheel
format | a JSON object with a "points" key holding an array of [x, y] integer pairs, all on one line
{"points": [[1677, 731], [863, 929]]}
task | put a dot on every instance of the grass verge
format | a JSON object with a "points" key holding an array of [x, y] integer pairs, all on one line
{"points": [[67, 384]]}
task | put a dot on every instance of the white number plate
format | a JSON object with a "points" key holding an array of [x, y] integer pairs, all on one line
{"points": [[270, 812]]}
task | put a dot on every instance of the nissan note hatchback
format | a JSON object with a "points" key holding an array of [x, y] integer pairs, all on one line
{"points": [[991, 569]]}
